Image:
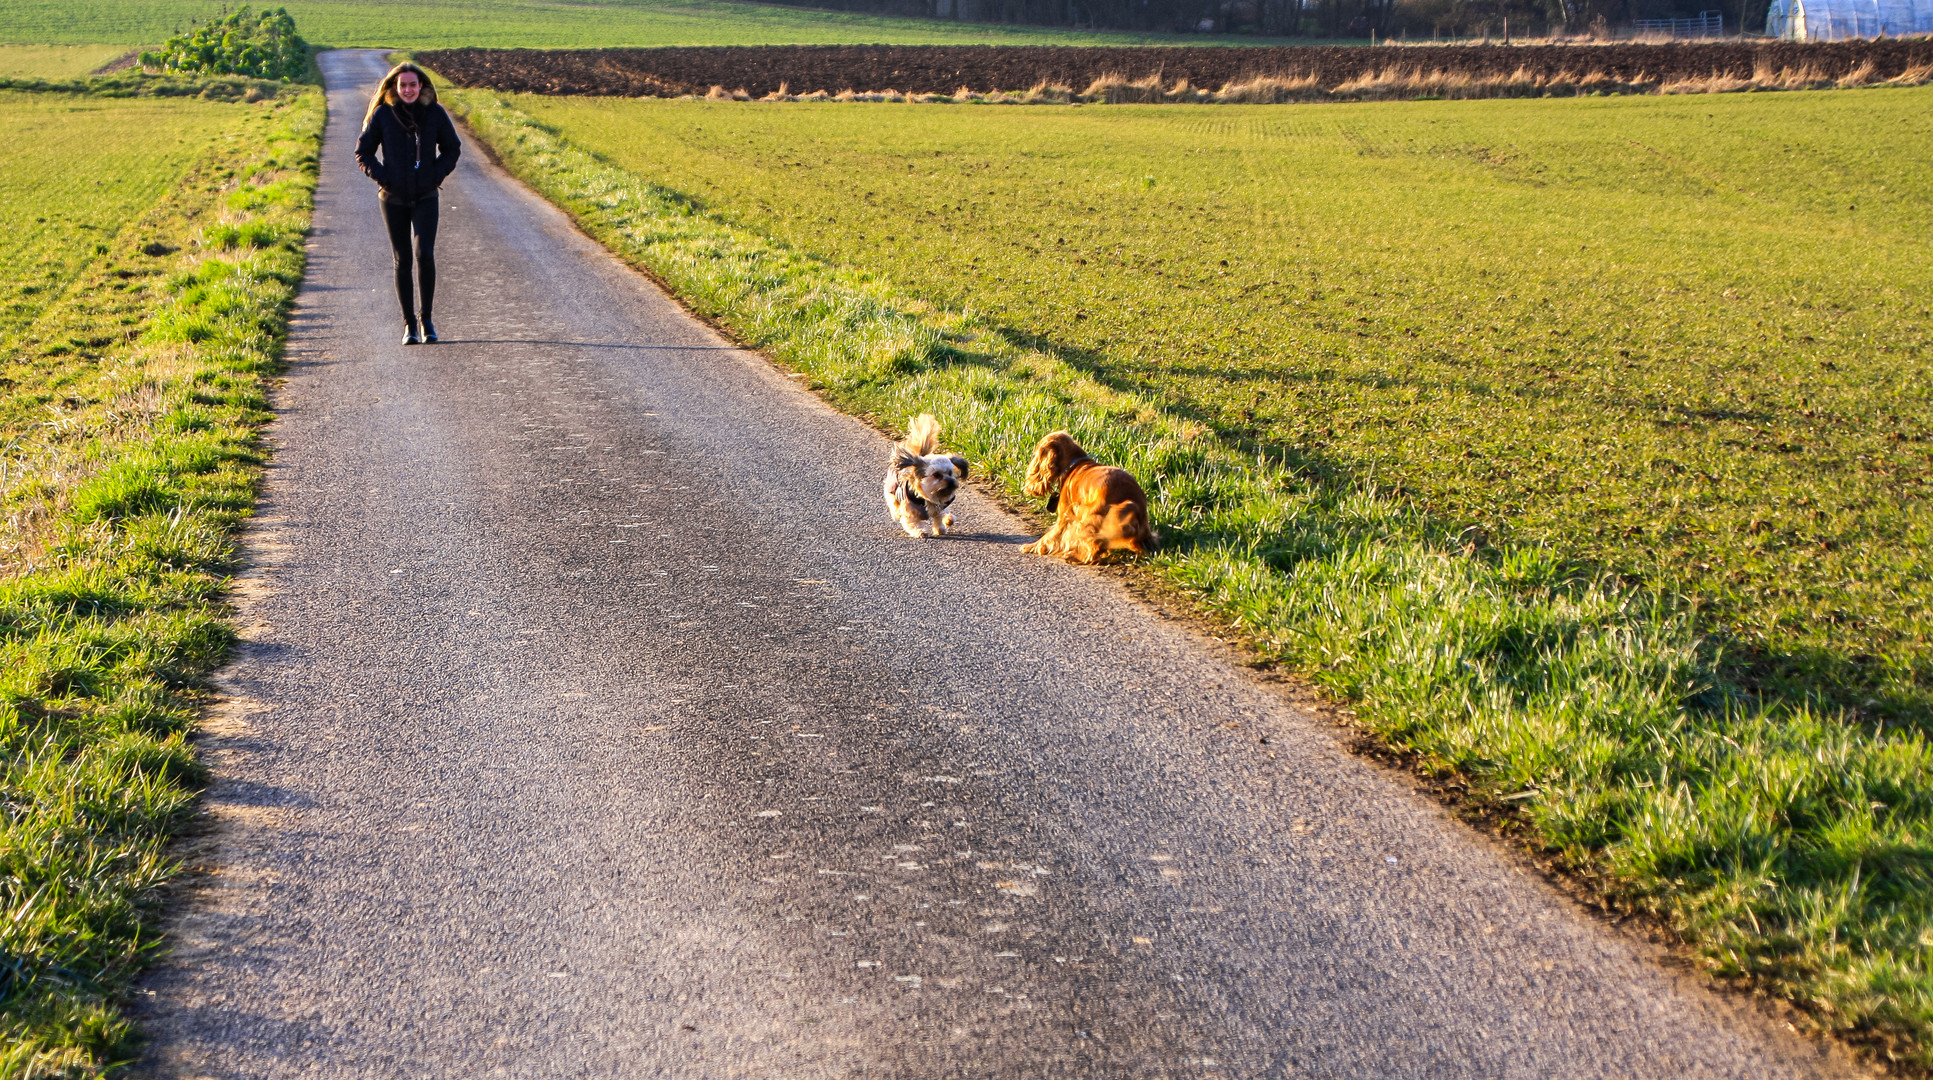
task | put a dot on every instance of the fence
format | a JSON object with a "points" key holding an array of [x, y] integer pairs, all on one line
{"points": [[1708, 24]]}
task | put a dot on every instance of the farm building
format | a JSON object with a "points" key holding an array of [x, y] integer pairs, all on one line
{"points": [[1832, 20]]}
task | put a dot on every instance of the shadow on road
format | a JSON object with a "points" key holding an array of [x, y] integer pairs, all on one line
{"points": [[584, 344], [989, 538]]}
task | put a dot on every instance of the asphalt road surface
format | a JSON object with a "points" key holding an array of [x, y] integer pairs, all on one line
{"points": [[596, 721]]}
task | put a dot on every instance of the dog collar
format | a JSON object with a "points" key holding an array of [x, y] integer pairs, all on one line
{"points": [[1053, 501]]}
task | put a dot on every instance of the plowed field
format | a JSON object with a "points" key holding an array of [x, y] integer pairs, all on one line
{"points": [[761, 70]]}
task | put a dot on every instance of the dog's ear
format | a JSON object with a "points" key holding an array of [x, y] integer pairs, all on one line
{"points": [[906, 459], [1040, 474], [959, 466], [1066, 451]]}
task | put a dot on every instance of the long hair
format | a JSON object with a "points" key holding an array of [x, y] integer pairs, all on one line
{"points": [[386, 93]]}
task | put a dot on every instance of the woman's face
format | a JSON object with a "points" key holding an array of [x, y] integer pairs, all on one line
{"points": [[409, 87]]}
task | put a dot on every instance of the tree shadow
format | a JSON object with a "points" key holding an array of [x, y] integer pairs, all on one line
{"points": [[1865, 690]]}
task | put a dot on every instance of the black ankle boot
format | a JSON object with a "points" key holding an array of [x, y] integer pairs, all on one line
{"points": [[429, 331], [409, 333]]}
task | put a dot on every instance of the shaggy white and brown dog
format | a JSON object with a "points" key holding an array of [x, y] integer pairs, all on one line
{"points": [[1101, 508], [921, 484]]}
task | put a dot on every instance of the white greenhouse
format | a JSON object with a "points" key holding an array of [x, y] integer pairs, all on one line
{"points": [[1831, 20]]}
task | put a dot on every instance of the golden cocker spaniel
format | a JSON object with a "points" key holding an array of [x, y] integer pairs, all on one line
{"points": [[1102, 508]]}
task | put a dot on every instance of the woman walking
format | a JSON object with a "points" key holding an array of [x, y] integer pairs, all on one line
{"points": [[418, 149]]}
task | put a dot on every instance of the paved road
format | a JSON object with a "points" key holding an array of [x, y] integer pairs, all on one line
{"points": [[597, 722]]}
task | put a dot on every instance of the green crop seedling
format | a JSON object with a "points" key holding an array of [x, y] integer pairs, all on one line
{"points": [[425, 24]]}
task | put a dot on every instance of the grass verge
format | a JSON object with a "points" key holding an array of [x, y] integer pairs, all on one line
{"points": [[135, 84], [1785, 841], [130, 410]]}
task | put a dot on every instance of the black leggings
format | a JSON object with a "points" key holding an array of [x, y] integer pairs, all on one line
{"points": [[401, 219]]}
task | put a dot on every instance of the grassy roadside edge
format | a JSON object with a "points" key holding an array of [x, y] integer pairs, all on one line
{"points": [[1782, 844], [159, 357], [135, 83]]}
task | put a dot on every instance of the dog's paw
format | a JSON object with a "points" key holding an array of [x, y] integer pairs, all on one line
{"points": [[1032, 549], [947, 522]]}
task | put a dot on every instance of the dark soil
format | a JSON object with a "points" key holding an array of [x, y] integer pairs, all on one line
{"points": [[944, 69], [120, 63]]}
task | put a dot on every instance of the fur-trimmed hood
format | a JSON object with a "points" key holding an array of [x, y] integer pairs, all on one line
{"points": [[423, 100], [386, 91]]}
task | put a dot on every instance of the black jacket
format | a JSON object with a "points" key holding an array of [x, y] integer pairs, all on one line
{"points": [[416, 157]]}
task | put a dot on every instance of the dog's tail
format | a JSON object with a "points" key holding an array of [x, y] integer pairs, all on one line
{"points": [[922, 434]]}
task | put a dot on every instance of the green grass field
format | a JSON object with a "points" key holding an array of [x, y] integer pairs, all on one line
{"points": [[1685, 340], [55, 61], [161, 240], [80, 169], [424, 24], [1580, 445]]}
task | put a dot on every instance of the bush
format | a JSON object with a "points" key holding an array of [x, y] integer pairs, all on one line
{"points": [[264, 46]]}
